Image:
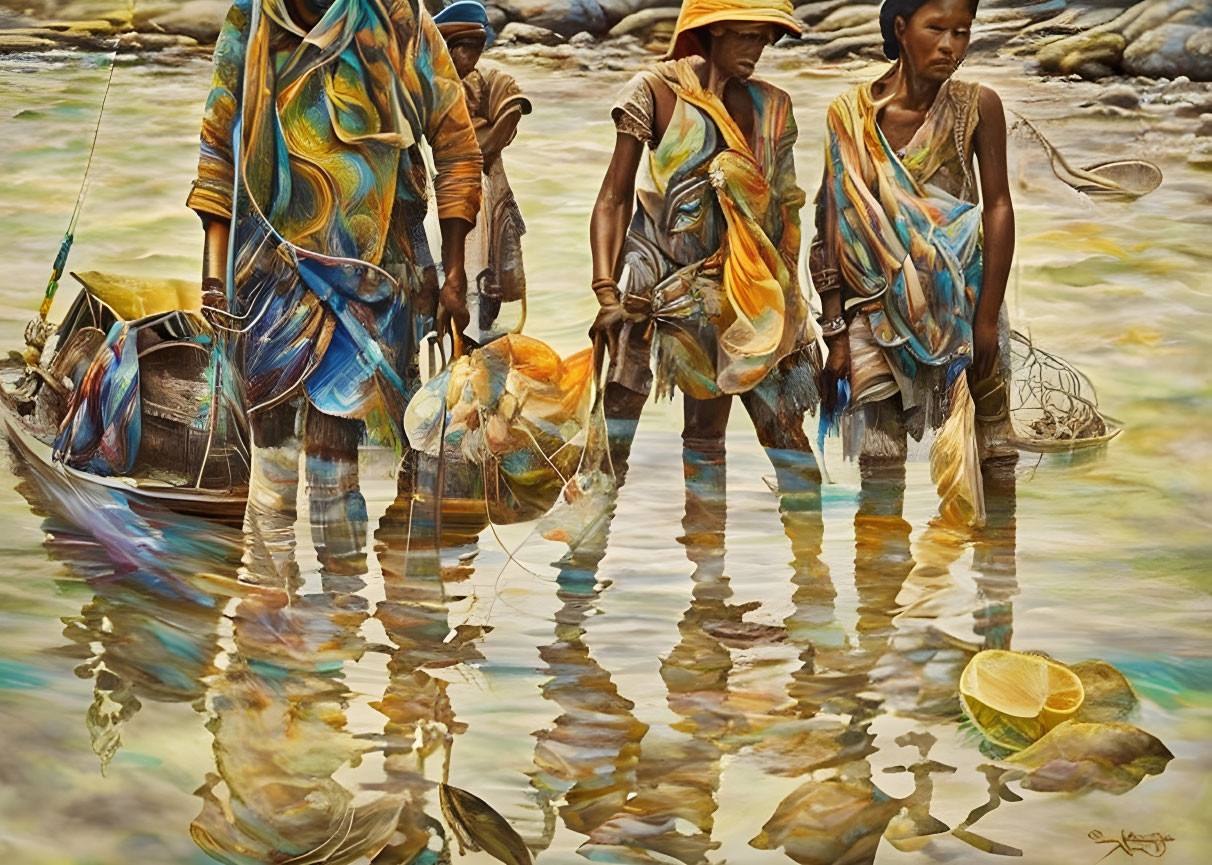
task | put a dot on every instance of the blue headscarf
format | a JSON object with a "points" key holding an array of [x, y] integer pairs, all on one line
{"points": [[467, 12]]}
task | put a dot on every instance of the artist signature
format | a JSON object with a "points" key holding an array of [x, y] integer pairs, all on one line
{"points": [[1153, 844]]}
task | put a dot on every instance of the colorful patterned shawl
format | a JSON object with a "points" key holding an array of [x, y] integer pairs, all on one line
{"points": [[763, 314], [325, 125], [900, 241]]}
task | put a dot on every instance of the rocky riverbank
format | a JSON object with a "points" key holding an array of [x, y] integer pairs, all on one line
{"points": [[1094, 39]]}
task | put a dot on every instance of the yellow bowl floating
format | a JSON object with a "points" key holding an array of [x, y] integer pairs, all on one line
{"points": [[1015, 698]]}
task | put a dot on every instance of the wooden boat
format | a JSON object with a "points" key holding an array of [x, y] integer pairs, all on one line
{"points": [[182, 462]]}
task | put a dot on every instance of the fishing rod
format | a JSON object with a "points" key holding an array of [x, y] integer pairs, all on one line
{"points": [[39, 330]]}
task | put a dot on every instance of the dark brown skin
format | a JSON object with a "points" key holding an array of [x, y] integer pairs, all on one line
{"points": [[735, 50], [465, 51], [933, 43]]}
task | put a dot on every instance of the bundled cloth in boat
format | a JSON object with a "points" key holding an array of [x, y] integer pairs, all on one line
{"points": [[709, 275], [510, 421], [103, 349], [319, 129]]}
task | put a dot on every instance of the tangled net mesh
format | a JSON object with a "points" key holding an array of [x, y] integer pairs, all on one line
{"points": [[1052, 404]]}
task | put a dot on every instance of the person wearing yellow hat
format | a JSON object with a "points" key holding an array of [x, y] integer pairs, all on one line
{"points": [[695, 239]]}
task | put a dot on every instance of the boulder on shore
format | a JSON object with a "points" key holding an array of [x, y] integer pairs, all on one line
{"points": [[1072, 55], [647, 25], [1171, 50], [528, 34], [616, 10], [566, 17], [200, 20], [1154, 38]]}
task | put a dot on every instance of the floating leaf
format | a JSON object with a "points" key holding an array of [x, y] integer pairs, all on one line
{"points": [[1109, 697], [1076, 756], [832, 822], [479, 827]]}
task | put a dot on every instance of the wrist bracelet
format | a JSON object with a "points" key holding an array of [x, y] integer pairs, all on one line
{"points": [[827, 280], [607, 291]]}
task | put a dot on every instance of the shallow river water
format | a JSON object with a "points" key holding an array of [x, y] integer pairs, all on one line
{"points": [[730, 684]]}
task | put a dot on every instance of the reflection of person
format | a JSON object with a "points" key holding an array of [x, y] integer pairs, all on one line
{"points": [[279, 715], [496, 104], [699, 290], [328, 263], [667, 808], [420, 718], [908, 302]]}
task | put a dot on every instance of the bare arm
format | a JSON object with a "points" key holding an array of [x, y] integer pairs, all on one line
{"points": [[214, 249], [458, 163], [826, 278], [612, 210], [998, 223], [494, 137]]}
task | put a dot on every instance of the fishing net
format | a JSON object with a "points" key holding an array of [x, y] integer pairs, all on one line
{"points": [[1053, 405], [502, 430]]}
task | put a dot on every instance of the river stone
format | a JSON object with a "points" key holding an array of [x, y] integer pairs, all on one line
{"points": [[1067, 56], [812, 37], [812, 13], [528, 34], [497, 19], [1201, 156], [1204, 130], [566, 17], [156, 41], [1172, 50], [643, 25], [1155, 13], [1120, 96], [847, 17], [870, 44], [12, 42], [197, 19], [616, 10]]}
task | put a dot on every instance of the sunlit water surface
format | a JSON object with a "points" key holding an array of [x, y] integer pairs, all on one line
{"points": [[649, 713]]}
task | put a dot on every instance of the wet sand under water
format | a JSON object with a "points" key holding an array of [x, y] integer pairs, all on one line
{"points": [[735, 673]]}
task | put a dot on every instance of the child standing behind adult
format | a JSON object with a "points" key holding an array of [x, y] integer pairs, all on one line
{"points": [[496, 104]]}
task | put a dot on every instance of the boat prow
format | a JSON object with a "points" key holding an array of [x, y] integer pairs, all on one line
{"points": [[221, 505]]}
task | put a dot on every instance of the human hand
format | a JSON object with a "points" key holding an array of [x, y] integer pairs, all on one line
{"points": [[837, 368], [609, 320], [452, 305]]}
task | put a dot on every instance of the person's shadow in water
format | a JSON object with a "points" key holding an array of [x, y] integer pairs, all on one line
{"points": [[181, 613], [638, 794]]}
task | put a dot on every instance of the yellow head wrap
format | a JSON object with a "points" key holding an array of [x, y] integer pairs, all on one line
{"points": [[700, 13]]}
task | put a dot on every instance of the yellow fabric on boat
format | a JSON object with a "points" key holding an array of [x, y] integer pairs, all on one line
{"points": [[700, 13], [134, 297]]}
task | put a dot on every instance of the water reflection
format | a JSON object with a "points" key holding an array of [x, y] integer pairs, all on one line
{"points": [[331, 748], [420, 720], [160, 582]]}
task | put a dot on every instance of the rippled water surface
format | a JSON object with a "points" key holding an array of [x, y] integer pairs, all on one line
{"points": [[729, 674]]}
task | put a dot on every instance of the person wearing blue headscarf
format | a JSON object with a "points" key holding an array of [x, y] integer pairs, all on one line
{"points": [[495, 103]]}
